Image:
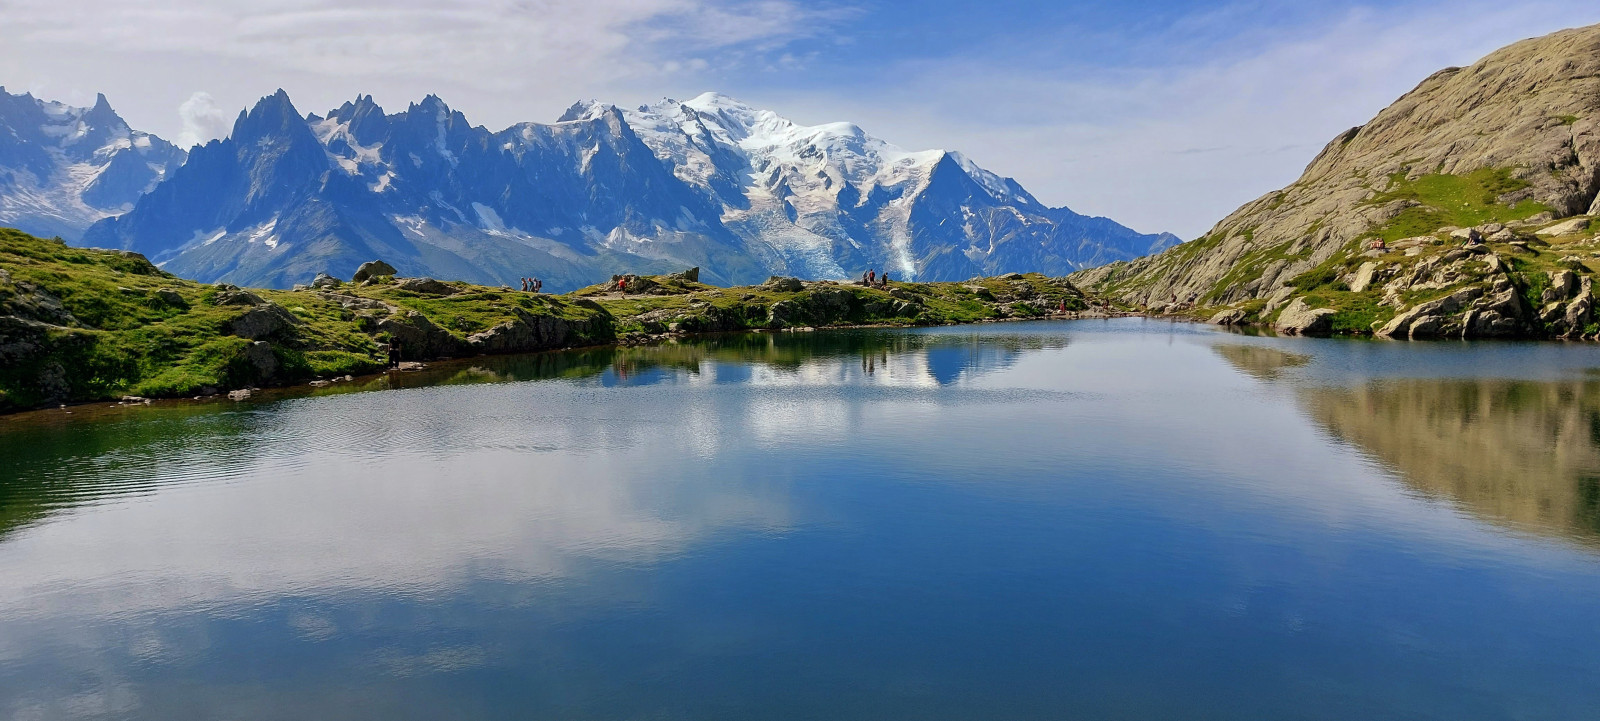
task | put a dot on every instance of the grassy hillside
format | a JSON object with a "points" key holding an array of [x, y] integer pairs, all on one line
{"points": [[79, 324]]}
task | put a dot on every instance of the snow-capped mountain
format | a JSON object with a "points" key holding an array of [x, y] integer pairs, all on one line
{"points": [[62, 168], [740, 192]]}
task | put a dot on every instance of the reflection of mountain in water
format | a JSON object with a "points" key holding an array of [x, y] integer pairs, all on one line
{"points": [[873, 357], [50, 461], [1524, 452]]}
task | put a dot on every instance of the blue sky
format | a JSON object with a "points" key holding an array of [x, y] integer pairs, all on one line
{"points": [[1164, 115]]}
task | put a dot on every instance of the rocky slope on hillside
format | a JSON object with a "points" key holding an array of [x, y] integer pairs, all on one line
{"points": [[737, 191], [1455, 211], [79, 324]]}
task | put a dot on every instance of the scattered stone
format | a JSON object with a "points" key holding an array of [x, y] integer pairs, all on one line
{"points": [[239, 395], [320, 383]]}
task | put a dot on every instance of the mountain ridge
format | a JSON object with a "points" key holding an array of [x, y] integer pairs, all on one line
{"points": [[64, 167], [740, 192]]}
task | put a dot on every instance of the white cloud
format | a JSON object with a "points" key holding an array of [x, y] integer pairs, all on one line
{"points": [[503, 61], [202, 120], [1215, 109]]}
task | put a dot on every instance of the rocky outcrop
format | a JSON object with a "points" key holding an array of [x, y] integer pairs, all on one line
{"points": [[529, 332], [420, 337], [783, 284]]}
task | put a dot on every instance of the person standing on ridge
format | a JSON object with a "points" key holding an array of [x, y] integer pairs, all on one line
{"points": [[872, 276]]}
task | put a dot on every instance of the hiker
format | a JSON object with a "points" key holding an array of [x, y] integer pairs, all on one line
{"points": [[524, 285], [394, 353], [1063, 307], [872, 276], [864, 280], [538, 285], [883, 281], [622, 285]]}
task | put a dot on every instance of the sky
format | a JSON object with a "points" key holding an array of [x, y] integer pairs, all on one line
{"points": [[1162, 114]]}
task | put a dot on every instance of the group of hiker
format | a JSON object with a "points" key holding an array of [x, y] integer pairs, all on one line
{"points": [[532, 285], [872, 279]]}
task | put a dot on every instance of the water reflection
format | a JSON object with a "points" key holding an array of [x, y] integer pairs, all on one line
{"points": [[1520, 452]]}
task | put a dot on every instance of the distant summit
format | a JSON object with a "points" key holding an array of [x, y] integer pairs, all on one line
{"points": [[64, 167], [738, 191]]}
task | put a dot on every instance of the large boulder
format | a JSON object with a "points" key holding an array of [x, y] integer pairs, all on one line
{"points": [[323, 280], [1234, 316], [1568, 227], [268, 320], [233, 295], [1302, 319], [426, 286], [372, 269], [783, 284], [691, 275]]}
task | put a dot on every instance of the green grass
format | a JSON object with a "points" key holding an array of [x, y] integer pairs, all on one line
{"points": [[127, 336], [1452, 200]]}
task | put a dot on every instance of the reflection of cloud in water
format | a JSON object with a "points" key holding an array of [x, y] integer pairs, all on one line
{"points": [[1525, 452]]}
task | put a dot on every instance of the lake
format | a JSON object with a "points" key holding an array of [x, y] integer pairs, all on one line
{"points": [[1125, 519]]}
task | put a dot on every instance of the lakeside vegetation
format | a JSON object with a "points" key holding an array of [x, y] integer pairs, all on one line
{"points": [[82, 324]]}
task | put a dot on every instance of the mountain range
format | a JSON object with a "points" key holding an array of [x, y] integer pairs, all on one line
{"points": [[740, 192], [63, 168]]}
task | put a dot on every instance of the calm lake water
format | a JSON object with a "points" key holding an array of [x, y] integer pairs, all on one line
{"points": [[1087, 520]]}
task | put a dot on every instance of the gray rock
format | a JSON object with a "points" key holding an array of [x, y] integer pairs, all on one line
{"points": [[1232, 316], [372, 269], [691, 275], [1301, 319], [783, 284], [231, 295], [1364, 276], [426, 286], [323, 280], [268, 320], [1569, 227], [263, 360]]}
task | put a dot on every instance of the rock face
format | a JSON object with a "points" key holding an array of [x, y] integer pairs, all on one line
{"points": [[1529, 112]]}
